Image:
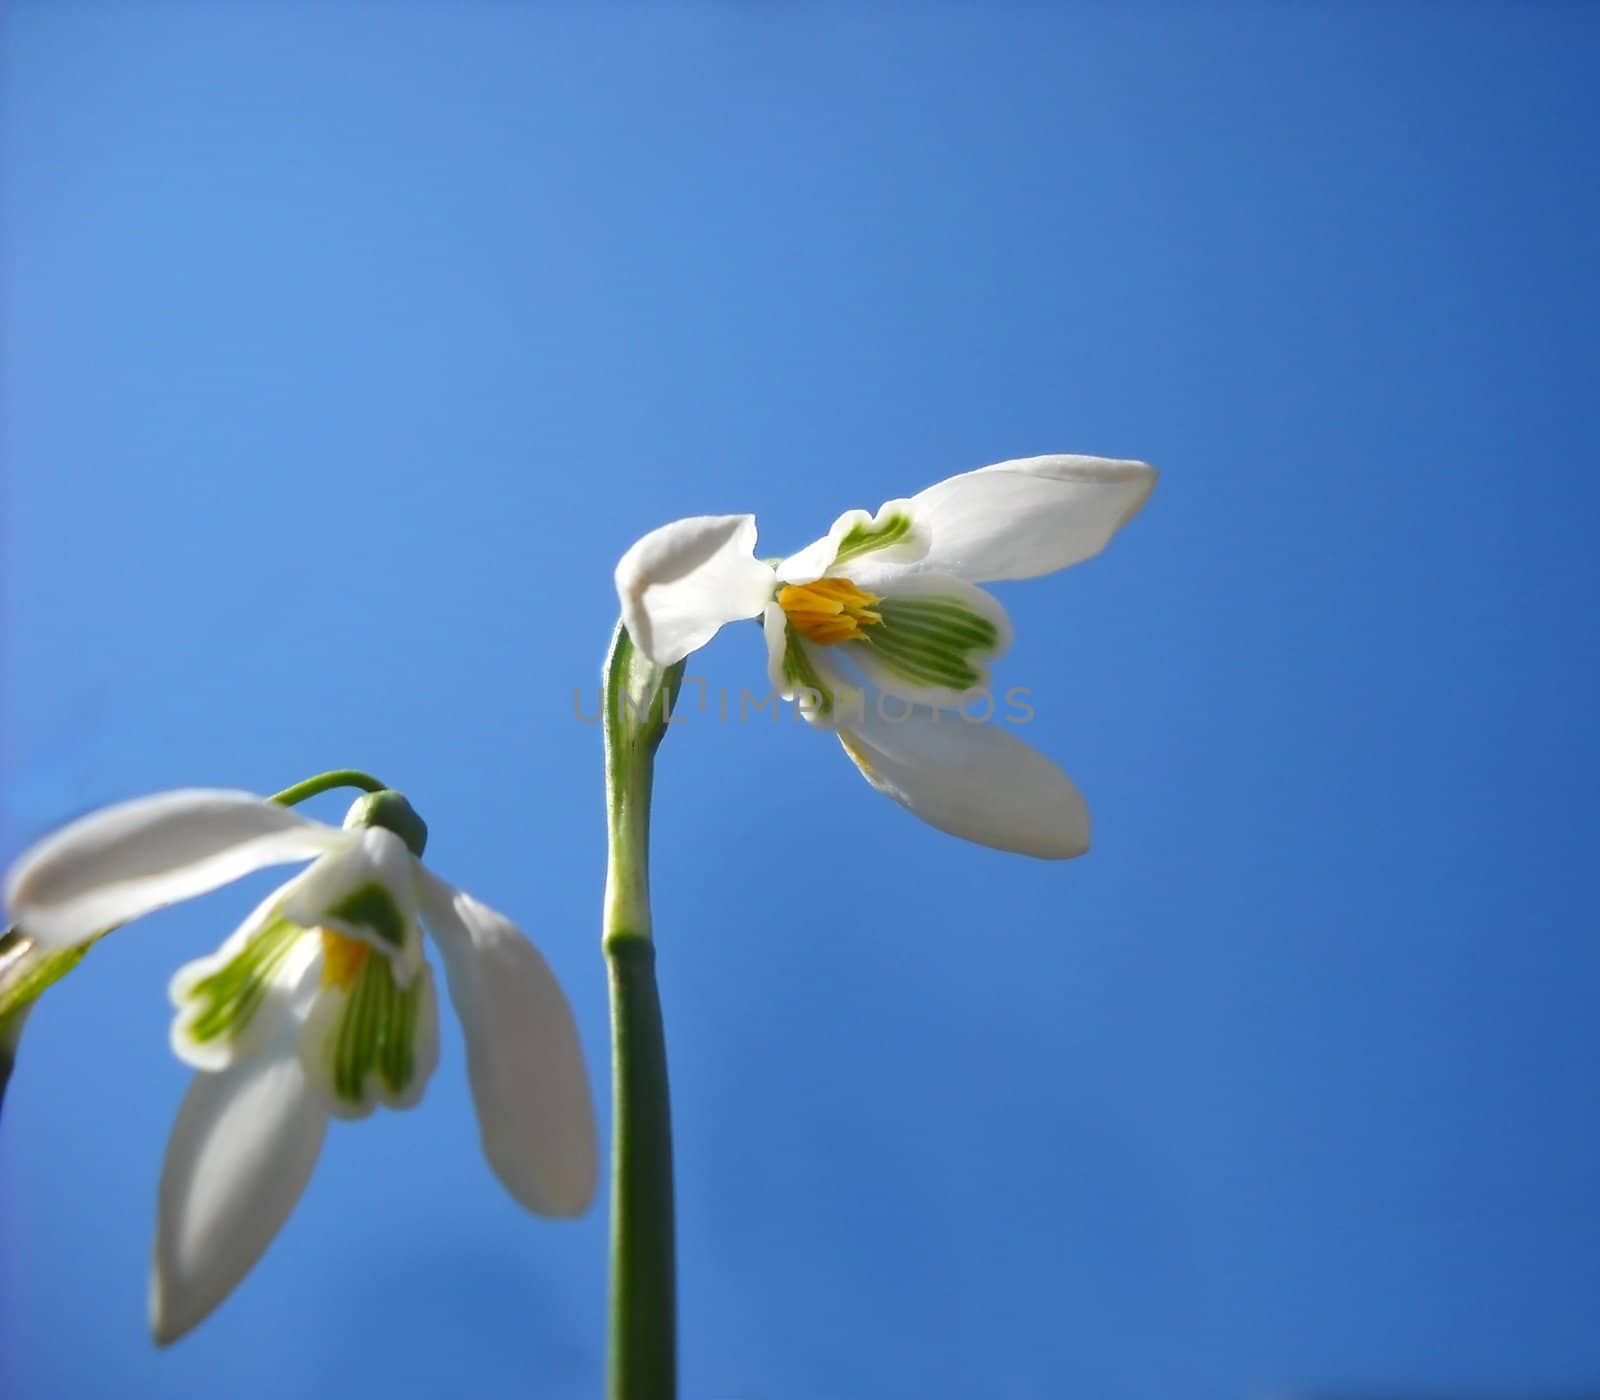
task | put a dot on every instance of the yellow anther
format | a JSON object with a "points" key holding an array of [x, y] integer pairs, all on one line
{"points": [[830, 610], [342, 959]]}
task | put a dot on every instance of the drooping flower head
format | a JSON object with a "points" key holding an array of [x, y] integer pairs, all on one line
{"points": [[320, 1005], [888, 605]]}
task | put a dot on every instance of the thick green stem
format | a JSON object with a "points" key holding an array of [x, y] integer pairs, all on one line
{"points": [[643, 1325]]}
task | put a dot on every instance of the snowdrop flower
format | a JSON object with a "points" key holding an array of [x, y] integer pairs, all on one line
{"points": [[886, 608], [320, 1005]]}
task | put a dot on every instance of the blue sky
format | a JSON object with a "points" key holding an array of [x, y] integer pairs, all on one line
{"points": [[346, 348]]}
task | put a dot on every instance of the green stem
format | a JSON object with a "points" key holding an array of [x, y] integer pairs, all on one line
{"points": [[24, 973], [637, 700], [326, 782], [643, 1330]]}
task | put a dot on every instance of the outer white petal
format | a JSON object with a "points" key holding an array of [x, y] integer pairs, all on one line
{"points": [[375, 859], [124, 861], [680, 583], [1028, 517], [524, 1058], [975, 781], [240, 1155]]}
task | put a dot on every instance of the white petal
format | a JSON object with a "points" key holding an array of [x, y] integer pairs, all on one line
{"points": [[680, 583], [901, 672], [892, 536], [775, 633], [827, 694], [241, 1152], [365, 891], [976, 781], [1028, 517], [524, 1057], [124, 861]]}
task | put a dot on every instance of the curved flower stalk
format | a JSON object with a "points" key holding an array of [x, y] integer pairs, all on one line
{"points": [[887, 607], [321, 1005], [25, 972]]}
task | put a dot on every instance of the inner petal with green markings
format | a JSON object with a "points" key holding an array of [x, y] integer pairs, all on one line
{"points": [[926, 639], [337, 952], [228, 1004], [933, 641], [889, 537], [371, 1038]]}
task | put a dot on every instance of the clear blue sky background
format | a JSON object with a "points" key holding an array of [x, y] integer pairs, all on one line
{"points": [[346, 347]]}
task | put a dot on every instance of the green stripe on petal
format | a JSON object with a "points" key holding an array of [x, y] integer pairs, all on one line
{"points": [[869, 536], [372, 907], [932, 640], [222, 1004], [799, 672], [376, 1042]]}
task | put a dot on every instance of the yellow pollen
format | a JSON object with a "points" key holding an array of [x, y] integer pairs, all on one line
{"points": [[830, 610], [342, 959]]}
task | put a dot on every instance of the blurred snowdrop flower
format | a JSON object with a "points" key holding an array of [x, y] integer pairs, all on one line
{"points": [[320, 1005], [887, 605]]}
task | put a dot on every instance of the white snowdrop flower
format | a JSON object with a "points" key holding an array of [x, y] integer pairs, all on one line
{"points": [[321, 1005], [888, 605]]}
